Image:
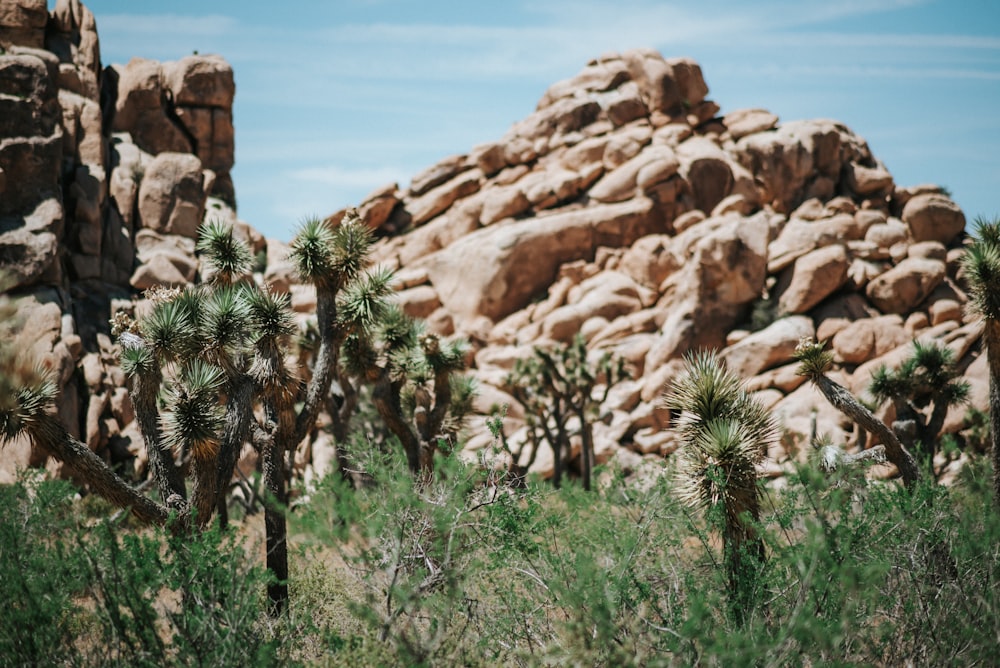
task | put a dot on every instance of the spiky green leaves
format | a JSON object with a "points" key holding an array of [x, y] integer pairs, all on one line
{"points": [[982, 268], [363, 301], [138, 360], [195, 419], [228, 257], [725, 433], [224, 323], [29, 405], [331, 257], [708, 391], [312, 253], [171, 328], [813, 358], [270, 314], [928, 374], [719, 466]]}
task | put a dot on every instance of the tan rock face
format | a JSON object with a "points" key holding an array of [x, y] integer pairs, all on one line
{"points": [[22, 23], [172, 195], [933, 218], [907, 284], [814, 277]]}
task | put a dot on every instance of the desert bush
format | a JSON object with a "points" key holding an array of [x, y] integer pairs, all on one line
{"points": [[86, 593]]}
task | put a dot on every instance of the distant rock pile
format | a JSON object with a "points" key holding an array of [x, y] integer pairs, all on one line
{"points": [[625, 208]]}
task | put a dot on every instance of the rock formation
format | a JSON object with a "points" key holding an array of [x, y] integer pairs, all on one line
{"points": [[105, 176], [625, 208]]}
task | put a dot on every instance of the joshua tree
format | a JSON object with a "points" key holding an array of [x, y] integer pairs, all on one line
{"points": [[982, 270], [211, 355], [814, 361], [725, 434], [417, 389], [922, 390], [555, 385]]}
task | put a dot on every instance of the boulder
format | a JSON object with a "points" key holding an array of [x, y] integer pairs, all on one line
{"points": [[620, 184], [22, 22], [787, 158], [903, 287], [768, 347], [200, 81], [933, 217], [172, 195], [869, 338], [743, 122], [141, 108], [814, 277], [724, 271], [495, 271]]}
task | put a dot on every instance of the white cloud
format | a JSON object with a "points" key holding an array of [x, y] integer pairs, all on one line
{"points": [[166, 24], [348, 177]]}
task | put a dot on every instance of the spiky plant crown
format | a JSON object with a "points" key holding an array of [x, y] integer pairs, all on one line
{"points": [[28, 405], [312, 254], [813, 358], [228, 257], [270, 314], [352, 241], [397, 330], [195, 419], [171, 328], [707, 391], [982, 268], [719, 466], [363, 301], [725, 433], [360, 358], [225, 318]]}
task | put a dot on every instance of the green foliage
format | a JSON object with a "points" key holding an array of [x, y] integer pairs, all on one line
{"points": [[100, 595], [982, 268], [465, 570], [557, 384], [922, 389], [229, 258]]}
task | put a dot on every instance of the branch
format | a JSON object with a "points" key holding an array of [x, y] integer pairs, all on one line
{"points": [[331, 337], [49, 434]]}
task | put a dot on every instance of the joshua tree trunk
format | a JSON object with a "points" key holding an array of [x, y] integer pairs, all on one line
{"points": [[48, 433], [276, 529], [586, 450], [143, 391], [842, 400], [992, 339], [743, 552]]}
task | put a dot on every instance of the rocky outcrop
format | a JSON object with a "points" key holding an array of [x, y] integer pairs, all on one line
{"points": [[105, 176], [627, 210]]}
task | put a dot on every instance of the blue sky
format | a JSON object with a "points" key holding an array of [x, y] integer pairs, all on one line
{"points": [[336, 98]]}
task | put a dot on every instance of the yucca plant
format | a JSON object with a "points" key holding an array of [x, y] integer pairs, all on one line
{"points": [[214, 355], [982, 270], [725, 434], [814, 363], [418, 389], [922, 390], [556, 384]]}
